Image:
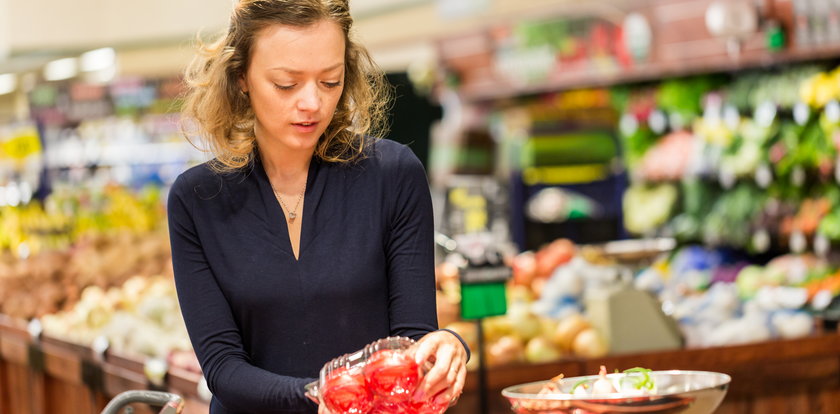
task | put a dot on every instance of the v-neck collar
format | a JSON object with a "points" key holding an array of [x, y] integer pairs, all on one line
{"points": [[276, 219]]}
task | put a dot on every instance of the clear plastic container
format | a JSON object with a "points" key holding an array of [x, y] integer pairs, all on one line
{"points": [[380, 378]]}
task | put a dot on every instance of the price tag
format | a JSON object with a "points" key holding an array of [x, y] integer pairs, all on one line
{"points": [[726, 177], [628, 125], [761, 240], [837, 170], [35, 329], [99, 346], [765, 114], [657, 122], [763, 175], [832, 111], [821, 245], [731, 117], [155, 370], [797, 176], [801, 113], [798, 242]]}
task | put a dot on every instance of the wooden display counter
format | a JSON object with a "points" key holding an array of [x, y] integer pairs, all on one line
{"points": [[49, 375], [785, 376]]}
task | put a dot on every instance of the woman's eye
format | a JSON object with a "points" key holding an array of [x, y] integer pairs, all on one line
{"points": [[332, 84], [284, 87]]}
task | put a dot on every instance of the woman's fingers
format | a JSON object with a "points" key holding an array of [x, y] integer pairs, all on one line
{"points": [[437, 379], [454, 391], [445, 380]]}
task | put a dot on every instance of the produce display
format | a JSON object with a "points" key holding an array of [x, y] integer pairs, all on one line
{"points": [[719, 298], [141, 317], [750, 163], [379, 378], [546, 318], [53, 250], [95, 263]]}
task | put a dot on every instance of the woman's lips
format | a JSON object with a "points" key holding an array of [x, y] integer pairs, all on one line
{"points": [[305, 127]]}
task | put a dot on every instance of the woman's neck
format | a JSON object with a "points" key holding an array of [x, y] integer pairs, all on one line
{"points": [[286, 169]]}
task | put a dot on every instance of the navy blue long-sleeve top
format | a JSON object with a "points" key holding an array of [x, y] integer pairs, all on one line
{"points": [[262, 322]]}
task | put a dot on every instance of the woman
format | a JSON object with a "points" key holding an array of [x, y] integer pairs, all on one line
{"points": [[304, 238]]}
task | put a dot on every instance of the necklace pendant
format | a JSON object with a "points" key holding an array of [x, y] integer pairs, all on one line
{"points": [[292, 215]]}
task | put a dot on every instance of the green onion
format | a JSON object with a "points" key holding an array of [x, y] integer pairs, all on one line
{"points": [[645, 382], [578, 384]]}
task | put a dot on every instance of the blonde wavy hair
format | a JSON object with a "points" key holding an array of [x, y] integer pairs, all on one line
{"points": [[217, 112]]}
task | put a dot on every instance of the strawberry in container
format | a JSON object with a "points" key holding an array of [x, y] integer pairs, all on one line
{"points": [[381, 378], [391, 373], [344, 391]]}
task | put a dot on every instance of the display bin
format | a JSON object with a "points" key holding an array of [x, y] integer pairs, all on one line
{"points": [[779, 376], [50, 375]]}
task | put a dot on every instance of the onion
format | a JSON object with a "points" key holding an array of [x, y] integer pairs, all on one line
{"points": [[603, 385], [567, 329], [589, 344]]}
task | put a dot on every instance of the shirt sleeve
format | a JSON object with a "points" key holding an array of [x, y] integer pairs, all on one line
{"points": [[410, 248], [234, 381]]}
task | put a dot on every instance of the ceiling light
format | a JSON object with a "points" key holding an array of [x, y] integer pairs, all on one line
{"points": [[61, 69], [98, 59], [8, 83]]}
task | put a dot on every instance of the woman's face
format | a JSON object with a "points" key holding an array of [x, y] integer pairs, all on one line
{"points": [[294, 80]]}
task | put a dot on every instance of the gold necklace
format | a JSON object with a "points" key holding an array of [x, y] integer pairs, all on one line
{"points": [[292, 213]]}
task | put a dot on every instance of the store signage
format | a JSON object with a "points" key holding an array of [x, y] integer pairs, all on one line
{"points": [[22, 143], [483, 285]]}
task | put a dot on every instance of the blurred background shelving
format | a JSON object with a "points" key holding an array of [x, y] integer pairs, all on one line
{"points": [[683, 154]]}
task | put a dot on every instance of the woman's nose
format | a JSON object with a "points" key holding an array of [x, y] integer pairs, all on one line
{"points": [[309, 98]]}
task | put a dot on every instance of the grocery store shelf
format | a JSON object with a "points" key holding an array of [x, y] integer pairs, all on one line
{"points": [[491, 86]]}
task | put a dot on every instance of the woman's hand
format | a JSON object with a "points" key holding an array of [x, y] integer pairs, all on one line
{"points": [[445, 380]]}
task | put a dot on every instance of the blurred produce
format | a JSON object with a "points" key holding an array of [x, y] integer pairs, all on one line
{"points": [[545, 319], [728, 222], [53, 280], [76, 240], [758, 170], [717, 299], [69, 215], [749, 90], [717, 296], [669, 158], [140, 317], [647, 207], [683, 96]]}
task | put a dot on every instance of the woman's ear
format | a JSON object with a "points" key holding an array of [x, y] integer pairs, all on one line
{"points": [[243, 85]]}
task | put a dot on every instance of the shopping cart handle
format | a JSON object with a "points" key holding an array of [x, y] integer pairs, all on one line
{"points": [[171, 403]]}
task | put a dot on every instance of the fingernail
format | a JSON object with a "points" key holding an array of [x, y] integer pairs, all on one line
{"points": [[419, 395], [441, 399]]}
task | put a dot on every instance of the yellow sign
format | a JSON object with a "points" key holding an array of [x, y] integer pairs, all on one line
{"points": [[474, 208], [22, 143]]}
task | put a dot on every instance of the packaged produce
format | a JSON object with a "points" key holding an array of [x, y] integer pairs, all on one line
{"points": [[380, 378]]}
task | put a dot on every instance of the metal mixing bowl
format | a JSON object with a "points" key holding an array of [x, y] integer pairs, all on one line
{"points": [[689, 392]]}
